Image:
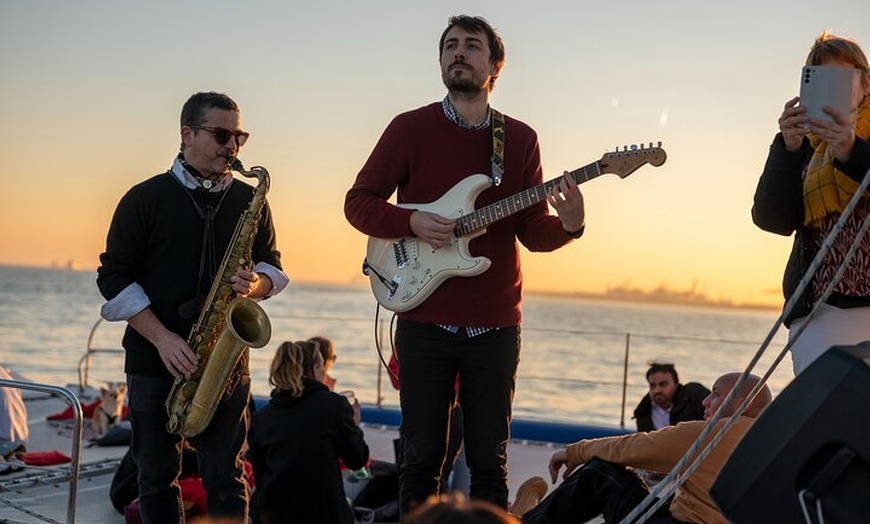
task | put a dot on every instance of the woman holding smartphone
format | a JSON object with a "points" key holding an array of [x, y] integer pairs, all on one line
{"points": [[813, 168]]}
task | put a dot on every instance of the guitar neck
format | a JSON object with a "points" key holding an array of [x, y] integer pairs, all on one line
{"points": [[483, 217]]}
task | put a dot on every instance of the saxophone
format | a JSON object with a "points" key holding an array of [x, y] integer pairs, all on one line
{"points": [[226, 327]]}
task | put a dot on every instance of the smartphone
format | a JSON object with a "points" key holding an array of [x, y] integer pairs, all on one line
{"points": [[826, 86]]}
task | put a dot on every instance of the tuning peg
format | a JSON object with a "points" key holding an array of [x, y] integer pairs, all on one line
{"points": [[624, 148], [660, 143], [634, 147]]}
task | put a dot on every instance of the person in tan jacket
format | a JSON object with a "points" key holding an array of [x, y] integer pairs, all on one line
{"points": [[605, 486]]}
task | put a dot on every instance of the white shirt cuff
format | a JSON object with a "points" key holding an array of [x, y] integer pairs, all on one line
{"points": [[279, 278], [127, 303]]}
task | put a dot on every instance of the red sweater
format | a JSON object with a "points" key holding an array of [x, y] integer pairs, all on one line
{"points": [[420, 156]]}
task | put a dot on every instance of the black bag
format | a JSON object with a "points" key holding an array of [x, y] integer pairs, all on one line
{"points": [[117, 436], [381, 493]]}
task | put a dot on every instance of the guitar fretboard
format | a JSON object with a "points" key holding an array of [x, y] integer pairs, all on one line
{"points": [[483, 217]]}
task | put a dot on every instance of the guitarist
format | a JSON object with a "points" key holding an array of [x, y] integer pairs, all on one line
{"points": [[468, 326]]}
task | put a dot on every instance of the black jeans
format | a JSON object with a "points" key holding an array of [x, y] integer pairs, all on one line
{"points": [[157, 452], [429, 359], [597, 488]]}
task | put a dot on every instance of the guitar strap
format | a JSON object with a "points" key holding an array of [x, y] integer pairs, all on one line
{"points": [[497, 124]]}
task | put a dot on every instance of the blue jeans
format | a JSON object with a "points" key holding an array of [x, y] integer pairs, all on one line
{"points": [[157, 452], [596, 488], [430, 358]]}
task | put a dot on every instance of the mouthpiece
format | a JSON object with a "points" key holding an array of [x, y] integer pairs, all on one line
{"points": [[258, 172]]}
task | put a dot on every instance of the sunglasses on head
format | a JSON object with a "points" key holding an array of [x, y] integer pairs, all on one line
{"points": [[222, 134]]}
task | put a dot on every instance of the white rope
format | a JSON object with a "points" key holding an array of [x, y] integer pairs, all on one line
{"points": [[660, 494]]}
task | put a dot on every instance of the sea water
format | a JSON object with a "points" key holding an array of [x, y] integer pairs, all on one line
{"points": [[572, 363]]}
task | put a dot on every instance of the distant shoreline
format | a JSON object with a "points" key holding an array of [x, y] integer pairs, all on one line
{"points": [[658, 296], [661, 295]]}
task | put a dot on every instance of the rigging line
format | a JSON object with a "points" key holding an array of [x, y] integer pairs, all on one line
{"points": [[751, 396], [670, 483], [737, 386]]}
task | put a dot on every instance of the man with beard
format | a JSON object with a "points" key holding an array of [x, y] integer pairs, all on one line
{"points": [[468, 326], [668, 402]]}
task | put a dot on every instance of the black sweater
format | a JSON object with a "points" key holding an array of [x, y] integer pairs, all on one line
{"points": [[687, 405], [778, 207], [155, 240]]}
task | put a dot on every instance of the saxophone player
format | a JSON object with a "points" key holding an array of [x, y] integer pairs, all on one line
{"points": [[164, 249]]}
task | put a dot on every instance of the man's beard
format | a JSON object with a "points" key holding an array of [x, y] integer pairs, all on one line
{"points": [[466, 86]]}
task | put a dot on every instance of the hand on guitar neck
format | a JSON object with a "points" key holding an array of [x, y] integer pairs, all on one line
{"points": [[567, 200], [432, 228]]}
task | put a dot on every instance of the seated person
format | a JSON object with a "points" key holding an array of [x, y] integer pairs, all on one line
{"points": [[668, 401], [13, 420], [605, 485], [296, 440], [327, 351]]}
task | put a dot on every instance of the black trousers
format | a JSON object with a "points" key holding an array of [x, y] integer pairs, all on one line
{"points": [[157, 453], [596, 488], [430, 357]]}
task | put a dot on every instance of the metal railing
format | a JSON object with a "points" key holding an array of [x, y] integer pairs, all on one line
{"points": [[78, 423], [84, 366], [382, 339]]}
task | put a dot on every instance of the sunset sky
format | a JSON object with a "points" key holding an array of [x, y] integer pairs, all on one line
{"points": [[91, 93]]}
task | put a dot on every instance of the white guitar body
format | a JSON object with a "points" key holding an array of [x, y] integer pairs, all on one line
{"points": [[412, 267]]}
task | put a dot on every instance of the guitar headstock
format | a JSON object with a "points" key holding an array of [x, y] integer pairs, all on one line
{"points": [[630, 159]]}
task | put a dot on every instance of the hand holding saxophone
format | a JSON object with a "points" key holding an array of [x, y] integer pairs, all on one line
{"points": [[250, 284], [176, 355]]}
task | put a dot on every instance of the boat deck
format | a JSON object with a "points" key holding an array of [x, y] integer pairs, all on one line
{"points": [[31, 494], [36, 494]]}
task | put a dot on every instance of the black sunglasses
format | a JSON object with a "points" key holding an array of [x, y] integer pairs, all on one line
{"points": [[222, 134]]}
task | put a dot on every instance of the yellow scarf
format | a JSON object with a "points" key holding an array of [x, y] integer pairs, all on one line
{"points": [[826, 188]]}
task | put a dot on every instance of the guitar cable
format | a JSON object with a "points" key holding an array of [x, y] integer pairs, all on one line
{"points": [[378, 340]]}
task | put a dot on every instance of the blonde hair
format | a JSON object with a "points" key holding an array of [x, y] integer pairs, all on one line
{"points": [[292, 362]]}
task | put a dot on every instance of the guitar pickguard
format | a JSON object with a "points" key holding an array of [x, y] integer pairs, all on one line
{"points": [[405, 271]]}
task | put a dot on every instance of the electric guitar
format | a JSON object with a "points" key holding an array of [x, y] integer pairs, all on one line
{"points": [[403, 272]]}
